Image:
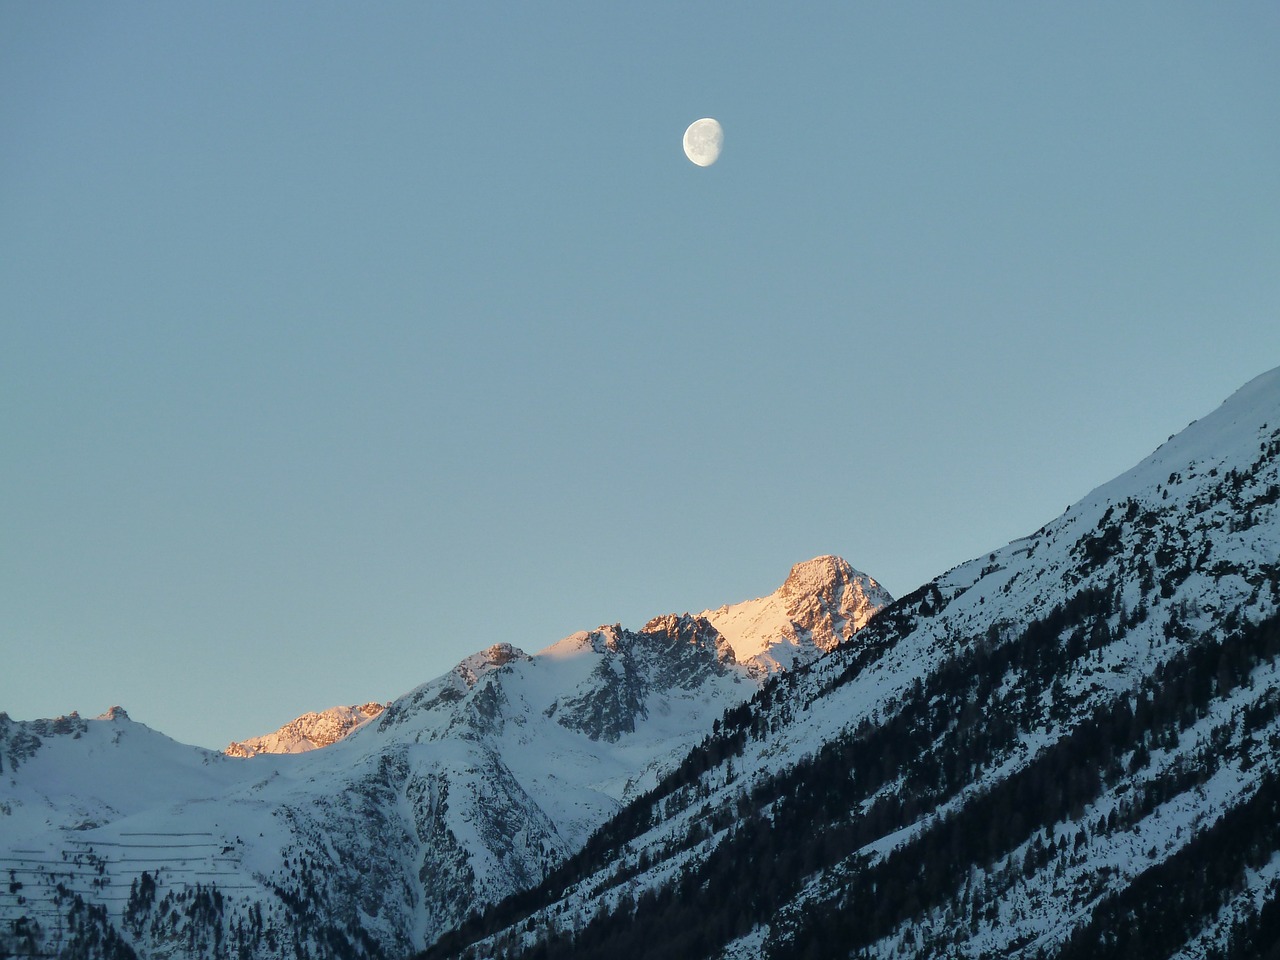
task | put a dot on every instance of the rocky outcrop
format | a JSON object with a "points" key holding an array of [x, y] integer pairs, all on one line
{"points": [[827, 600], [308, 732], [822, 603]]}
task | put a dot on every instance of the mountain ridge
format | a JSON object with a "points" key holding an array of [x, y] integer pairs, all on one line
{"points": [[821, 602], [310, 731], [459, 792], [996, 764], [1066, 747]]}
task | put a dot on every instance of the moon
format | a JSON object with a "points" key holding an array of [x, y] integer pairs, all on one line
{"points": [[703, 140]]}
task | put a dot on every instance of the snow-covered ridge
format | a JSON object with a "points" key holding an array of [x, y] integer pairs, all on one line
{"points": [[308, 732], [463, 790], [1157, 590]]}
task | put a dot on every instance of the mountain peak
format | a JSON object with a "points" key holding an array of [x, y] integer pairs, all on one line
{"points": [[829, 599], [308, 732], [114, 713], [825, 575], [491, 658], [822, 602]]}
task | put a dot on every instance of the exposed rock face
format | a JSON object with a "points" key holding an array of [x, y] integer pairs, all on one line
{"points": [[308, 732], [672, 652], [690, 645], [822, 603], [491, 658], [827, 600], [691, 639]]}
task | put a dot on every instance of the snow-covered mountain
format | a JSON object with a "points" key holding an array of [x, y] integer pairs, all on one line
{"points": [[821, 603], [462, 791], [1068, 747], [307, 732]]}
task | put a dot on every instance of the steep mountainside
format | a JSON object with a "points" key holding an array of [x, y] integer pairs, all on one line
{"points": [[118, 841], [1066, 748], [307, 732]]}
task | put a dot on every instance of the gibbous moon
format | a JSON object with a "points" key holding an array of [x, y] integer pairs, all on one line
{"points": [[703, 140]]}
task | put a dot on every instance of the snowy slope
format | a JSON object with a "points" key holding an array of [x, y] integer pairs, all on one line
{"points": [[462, 791], [1066, 747], [82, 773]]}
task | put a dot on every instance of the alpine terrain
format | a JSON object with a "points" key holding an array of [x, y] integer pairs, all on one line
{"points": [[367, 832], [307, 732], [1066, 748]]}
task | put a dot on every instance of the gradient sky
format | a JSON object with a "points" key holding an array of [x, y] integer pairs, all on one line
{"points": [[338, 341]]}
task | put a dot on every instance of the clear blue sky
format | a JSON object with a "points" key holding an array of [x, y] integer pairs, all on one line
{"points": [[338, 341]]}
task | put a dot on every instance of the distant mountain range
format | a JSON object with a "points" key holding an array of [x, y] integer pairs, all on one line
{"points": [[308, 732], [1067, 747], [462, 791]]}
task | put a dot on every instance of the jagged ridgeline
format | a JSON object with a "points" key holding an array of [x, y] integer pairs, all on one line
{"points": [[1067, 748], [360, 831]]}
